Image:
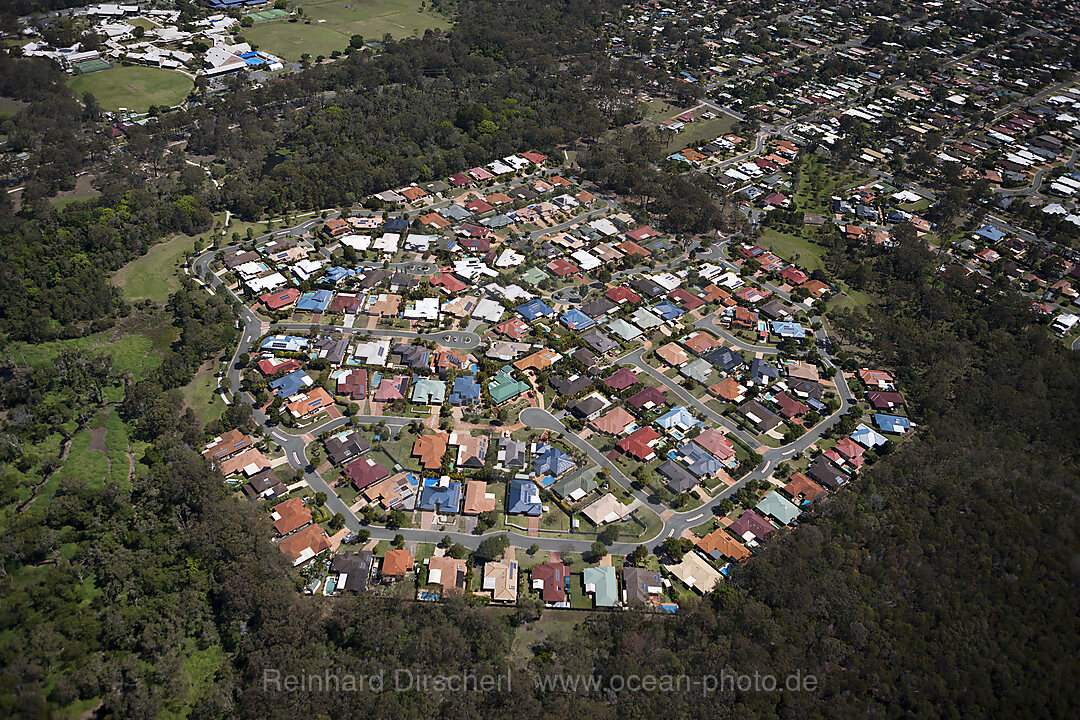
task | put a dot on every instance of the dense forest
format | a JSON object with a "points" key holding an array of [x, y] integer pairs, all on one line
{"points": [[942, 584]]}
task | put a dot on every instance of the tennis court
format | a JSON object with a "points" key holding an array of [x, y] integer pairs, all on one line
{"points": [[264, 15], [91, 66]]}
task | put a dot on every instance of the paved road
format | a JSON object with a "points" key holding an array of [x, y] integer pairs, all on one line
{"points": [[544, 420], [635, 358], [709, 323]]}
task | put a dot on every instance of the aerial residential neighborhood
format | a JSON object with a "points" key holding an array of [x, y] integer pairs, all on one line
{"points": [[488, 359], [426, 387]]}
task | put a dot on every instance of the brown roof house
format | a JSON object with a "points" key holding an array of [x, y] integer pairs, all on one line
{"points": [[302, 546], [396, 564], [290, 516], [613, 422], [430, 449], [448, 572], [477, 498]]}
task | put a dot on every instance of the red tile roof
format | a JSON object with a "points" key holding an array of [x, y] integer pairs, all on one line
{"points": [[280, 298], [449, 282], [639, 444], [622, 294]]}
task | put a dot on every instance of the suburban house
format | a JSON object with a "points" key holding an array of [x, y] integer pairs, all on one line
{"points": [[501, 578], [602, 584], [303, 545], [643, 587], [430, 450], [450, 573], [353, 570], [364, 471], [396, 564], [549, 579]]}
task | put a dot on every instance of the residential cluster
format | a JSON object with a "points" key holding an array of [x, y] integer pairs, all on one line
{"points": [[508, 350]]}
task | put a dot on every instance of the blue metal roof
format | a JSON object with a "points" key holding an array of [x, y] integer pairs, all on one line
{"points": [[535, 308], [315, 301], [524, 498], [576, 320]]}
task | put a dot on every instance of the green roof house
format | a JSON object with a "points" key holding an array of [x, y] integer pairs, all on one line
{"points": [[600, 581], [575, 486], [503, 387], [778, 507], [428, 391]]}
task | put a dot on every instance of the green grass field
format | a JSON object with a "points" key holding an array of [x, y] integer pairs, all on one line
{"points": [[201, 394], [156, 274], [98, 454], [334, 22], [700, 130], [793, 248], [134, 87], [132, 352]]}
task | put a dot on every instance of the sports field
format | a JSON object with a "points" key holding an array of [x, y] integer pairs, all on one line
{"points": [[134, 87], [334, 22]]}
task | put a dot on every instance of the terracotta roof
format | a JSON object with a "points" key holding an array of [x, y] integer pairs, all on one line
{"points": [[701, 343], [397, 562], [430, 449], [801, 486], [292, 515], [716, 442], [448, 572], [720, 541], [227, 444], [476, 500], [305, 544], [727, 389], [672, 354], [613, 422]]}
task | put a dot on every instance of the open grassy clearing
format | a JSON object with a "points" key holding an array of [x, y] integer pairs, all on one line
{"points": [[793, 248], [155, 275], [144, 23], [134, 87], [334, 22], [83, 190], [98, 455], [135, 350], [699, 131], [10, 106], [201, 394]]}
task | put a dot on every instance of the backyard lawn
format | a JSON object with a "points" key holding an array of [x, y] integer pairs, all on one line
{"points": [[134, 87], [334, 22]]}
